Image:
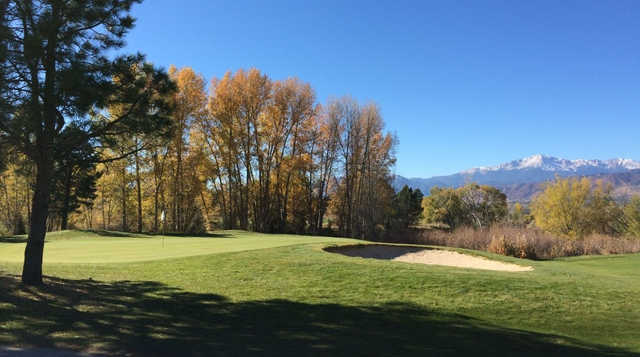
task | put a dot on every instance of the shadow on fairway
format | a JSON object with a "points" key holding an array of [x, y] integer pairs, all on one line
{"points": [[200, 235], [114, 234], [149, 235], [15, 239], [152, 319]]}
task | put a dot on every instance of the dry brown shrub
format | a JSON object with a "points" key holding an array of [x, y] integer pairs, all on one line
{"points": [[520, 245], [530, 243]]}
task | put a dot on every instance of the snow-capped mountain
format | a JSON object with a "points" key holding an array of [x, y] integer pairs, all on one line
{"points": [[554, 164], [532, 169]]}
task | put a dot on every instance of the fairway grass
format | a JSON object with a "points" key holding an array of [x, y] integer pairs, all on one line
{"points": [[257, 294]]}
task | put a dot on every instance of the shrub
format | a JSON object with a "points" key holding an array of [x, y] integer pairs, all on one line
{"points": [[529, 243], [521, 246]]}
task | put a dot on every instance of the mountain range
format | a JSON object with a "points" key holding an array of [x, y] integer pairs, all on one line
{"points": [[521, 179]]}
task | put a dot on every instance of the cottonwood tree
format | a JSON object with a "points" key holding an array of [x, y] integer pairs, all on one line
{"points": [[443, 206], [15, 193], [55, 70], [472, 205], [576, 207], [632, 217], [190, 102], [159, 153], [107, 195], [560, 208], [483, 205], [255, 135], [366, 156], [604, 214], [322, 147]]}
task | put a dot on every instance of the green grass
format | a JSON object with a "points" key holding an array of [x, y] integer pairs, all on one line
{"points": [[238, 293], [113, 247]]}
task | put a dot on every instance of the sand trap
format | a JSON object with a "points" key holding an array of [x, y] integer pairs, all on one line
{"points": [[425, 256]]}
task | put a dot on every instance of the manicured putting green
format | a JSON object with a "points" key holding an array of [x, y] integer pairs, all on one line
{"points": [[90, 247]]}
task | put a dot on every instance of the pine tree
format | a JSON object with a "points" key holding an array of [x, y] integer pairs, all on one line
{"points": [[60, 72]]}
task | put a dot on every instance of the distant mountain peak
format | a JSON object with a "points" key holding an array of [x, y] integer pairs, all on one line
{"points": [[531, 169], [536, 160], [554, 164]]}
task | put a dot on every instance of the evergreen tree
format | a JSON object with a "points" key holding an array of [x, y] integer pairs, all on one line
{"points": [[406, 208], [74, 178], [55, 71]]}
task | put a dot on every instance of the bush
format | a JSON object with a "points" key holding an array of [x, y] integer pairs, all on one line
{"points": [[529, 243], [520, 246]]}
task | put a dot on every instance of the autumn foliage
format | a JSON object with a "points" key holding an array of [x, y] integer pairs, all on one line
{"points": [[578, 207], [250, 152]]}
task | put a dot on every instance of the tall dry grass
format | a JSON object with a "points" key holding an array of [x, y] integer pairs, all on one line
{"points": [[530, 243]]}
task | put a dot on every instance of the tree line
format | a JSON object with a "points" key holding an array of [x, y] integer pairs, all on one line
{"points": [[255, 153], [569, 207]]}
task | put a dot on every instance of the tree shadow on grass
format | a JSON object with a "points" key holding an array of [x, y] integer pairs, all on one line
{"points": [[151, 319], [149, 235], [14, 239], [199, 235], [114, 234]]}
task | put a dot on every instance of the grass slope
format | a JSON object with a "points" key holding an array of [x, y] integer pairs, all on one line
{"points": [[296, 299]]}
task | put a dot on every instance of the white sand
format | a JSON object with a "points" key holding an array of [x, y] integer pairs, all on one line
{"points": [[427, 256]]}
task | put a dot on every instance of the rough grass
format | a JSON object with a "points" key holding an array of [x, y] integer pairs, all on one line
{"points": [[299, 300]]}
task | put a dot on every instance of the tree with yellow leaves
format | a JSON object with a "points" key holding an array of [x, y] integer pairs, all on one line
{"points": [[189, 104], [632, 217], [574, 207]]}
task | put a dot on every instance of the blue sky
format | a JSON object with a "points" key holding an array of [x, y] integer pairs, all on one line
{"points": [[462, 83]]}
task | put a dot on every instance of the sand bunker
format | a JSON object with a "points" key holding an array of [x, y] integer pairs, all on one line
{"points": [[425, 256]]}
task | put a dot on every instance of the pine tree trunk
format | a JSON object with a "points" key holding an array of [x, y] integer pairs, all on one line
{"points": [[32, 268]]}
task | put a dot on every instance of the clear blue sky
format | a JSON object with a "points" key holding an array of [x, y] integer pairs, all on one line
{"points": [[462, 83]]}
